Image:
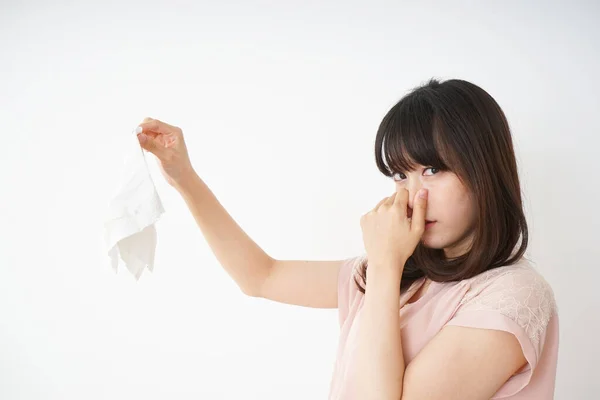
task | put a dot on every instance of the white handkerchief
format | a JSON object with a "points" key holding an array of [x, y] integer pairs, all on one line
{"points": [[129, 227]]}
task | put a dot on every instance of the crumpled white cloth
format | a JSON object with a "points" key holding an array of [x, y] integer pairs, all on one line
{"points": [[129, 226]]}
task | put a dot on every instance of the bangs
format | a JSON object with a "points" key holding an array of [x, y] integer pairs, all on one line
{"points": [[410, 135]]}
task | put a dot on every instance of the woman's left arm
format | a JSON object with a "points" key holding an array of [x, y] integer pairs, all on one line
{"points": [[459, 363], [462, 363]]}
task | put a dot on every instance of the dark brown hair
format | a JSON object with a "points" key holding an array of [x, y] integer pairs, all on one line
{"points": [[457, 126]]}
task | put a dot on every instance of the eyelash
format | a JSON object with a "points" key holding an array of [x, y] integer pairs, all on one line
{"points": [[433, 168]]}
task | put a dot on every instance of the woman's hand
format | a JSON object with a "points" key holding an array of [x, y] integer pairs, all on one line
{"points": [[390, 237], [166, 143]]}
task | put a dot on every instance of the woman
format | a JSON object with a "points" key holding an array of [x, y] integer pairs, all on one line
{"points": [[443, 305]]}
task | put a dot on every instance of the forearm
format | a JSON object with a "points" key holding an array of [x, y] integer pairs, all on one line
{"points": [[380, 360], [237, 253]]}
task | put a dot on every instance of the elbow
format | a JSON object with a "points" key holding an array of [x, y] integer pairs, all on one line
{"points": [[251, 291], [255, 286]]}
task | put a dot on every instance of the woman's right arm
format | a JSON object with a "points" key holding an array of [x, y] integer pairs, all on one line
{"points": [[298, 282], [303, 283]]}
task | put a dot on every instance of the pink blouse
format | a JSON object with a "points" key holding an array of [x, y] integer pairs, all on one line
{"points": [[514, 298]]}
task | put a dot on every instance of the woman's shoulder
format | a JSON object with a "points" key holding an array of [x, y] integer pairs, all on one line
{"points": [[518, 291], [521, 277]]}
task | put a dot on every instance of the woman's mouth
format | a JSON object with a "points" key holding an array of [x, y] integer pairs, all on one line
{"points": [[429, 224]]}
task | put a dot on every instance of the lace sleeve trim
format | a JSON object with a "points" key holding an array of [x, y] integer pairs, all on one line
{"points": [[518, 292]]}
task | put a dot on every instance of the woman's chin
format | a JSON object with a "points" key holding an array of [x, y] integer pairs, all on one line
{"points": [[430, 242]]}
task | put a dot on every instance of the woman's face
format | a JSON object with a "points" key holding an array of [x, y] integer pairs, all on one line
{"points": [[449, 204]]}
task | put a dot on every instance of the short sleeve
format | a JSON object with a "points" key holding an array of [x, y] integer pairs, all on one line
{"points": [[346, 286], [516, 300]]}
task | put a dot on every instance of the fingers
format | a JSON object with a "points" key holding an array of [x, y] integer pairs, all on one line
{"points": [[394, 199], [152, 145], [401, 201], [147, 131], [385, 199], [157, 136], [156, 126], [419, 209]]}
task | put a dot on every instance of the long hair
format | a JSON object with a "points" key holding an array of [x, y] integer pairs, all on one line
{"points": [[457, 126]]}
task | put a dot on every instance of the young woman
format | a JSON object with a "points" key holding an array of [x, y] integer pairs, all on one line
{"points": [[443, 305]]}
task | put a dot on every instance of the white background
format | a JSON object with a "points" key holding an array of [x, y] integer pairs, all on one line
{"points": [[279, 103]]}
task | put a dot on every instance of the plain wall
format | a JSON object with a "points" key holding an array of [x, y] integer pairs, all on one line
{"points": [[279, 103]]}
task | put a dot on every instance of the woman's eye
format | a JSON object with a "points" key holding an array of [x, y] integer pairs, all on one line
{"points": [[398, 176]]}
